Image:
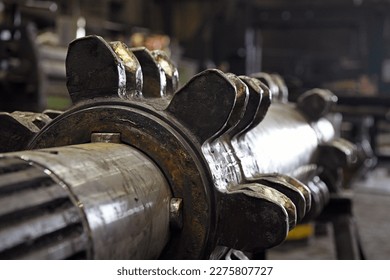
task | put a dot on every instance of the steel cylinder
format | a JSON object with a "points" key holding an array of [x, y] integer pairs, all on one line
{"points": [[283, 142], [96, 200]]}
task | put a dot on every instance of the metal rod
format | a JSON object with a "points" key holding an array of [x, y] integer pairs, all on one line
{"points": [[119, 195]]}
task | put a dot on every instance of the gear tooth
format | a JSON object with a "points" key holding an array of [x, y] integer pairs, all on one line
{"points": [[282, 87], [276, 85], [296, 191], [17, 129], [170, 70], [215, 101], [265, 101], [134, 78], [93, 70], [237, 120], [268, 92], [250, 118], [254, 231], [154, 79], [316, 103]]}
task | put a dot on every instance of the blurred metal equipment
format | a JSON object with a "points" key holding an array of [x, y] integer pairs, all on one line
{"points": [[138, 169], [20, 73], [32, 73]]}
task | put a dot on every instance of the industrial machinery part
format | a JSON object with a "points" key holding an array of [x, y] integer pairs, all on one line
{"points": [[53, 216], [138, 169]]}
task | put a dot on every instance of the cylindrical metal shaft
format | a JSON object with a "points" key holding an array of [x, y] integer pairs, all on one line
{"points": [[98, 200], [283, 142]]}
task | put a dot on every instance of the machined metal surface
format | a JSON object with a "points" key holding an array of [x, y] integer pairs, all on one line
{"points": [[119, 194], [38, 218], [134, 78], [282, 142], [170, 71]]}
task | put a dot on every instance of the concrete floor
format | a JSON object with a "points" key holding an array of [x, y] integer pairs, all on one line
{"points": [[371, 199]]}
